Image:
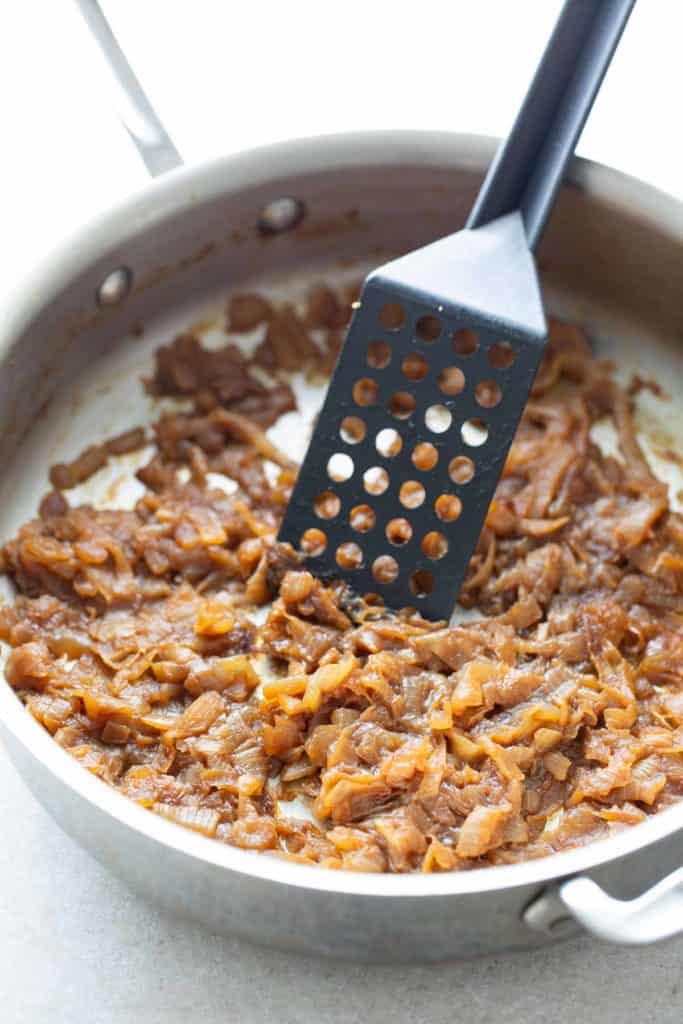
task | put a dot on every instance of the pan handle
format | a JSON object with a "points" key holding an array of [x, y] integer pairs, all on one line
{"points": [[139, 118], [656, 915]]}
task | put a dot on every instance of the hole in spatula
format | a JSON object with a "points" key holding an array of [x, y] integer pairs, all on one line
{"points": [[434, 545], [375, 480], [340, 467], [379, 355], [461, 469], [388, 442], [349, 556], [501, 355], [362, 518], [313, 542], [425, 456], [438, 418], [415, 367], [392, 316], [385, 569], [451, 380], [448, 507], [365, 391], [352, 430], [327, 505], [474, 433], [412, 494], [428, 328], [488, 394], [422, 583], [398, 531], [401, 405], [465, 342]]}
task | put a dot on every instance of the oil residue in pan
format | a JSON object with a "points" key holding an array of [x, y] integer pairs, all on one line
{"points": [[109, 399]]}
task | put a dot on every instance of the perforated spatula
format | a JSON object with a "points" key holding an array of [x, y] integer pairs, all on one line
{"points": [[440, 358]]}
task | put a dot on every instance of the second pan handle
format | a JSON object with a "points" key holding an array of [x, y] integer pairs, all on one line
{"points": [[655, 915], [137, 114]]}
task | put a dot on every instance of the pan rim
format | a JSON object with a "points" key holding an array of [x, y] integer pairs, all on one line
{"points": [[158, 199], [219, 177]]}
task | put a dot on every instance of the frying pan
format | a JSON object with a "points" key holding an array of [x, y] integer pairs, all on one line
{"points": [[73, 345]]}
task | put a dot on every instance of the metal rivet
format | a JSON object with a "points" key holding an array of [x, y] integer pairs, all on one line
{"points": [[281, 214], [548, 915], [114, 287], [560, 923]]}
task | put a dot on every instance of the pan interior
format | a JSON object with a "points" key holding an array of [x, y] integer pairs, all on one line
{"points": [[108, 396]]}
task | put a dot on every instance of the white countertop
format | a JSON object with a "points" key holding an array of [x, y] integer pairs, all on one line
{"points": [[76, 945]]}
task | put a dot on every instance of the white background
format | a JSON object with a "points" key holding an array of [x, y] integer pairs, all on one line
{"points": [[226, 74]]}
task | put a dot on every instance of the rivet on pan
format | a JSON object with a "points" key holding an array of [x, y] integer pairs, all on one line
{"points": [[114, 287], [547, 914], [281, 214]]}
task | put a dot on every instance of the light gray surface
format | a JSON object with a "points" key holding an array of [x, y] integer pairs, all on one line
{"points": [[61, 949], [76, 945], [394, 919]]}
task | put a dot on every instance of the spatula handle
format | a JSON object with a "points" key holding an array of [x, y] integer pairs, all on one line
{"points": [[529, 165]]}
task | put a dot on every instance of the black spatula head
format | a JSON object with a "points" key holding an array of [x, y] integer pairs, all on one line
{"points": [[419, 417]]}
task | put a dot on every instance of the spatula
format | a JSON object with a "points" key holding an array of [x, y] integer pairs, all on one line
{"points": [[441, 355]]}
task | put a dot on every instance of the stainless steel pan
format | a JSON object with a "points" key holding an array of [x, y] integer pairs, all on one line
{"points": [[72, 348]]}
